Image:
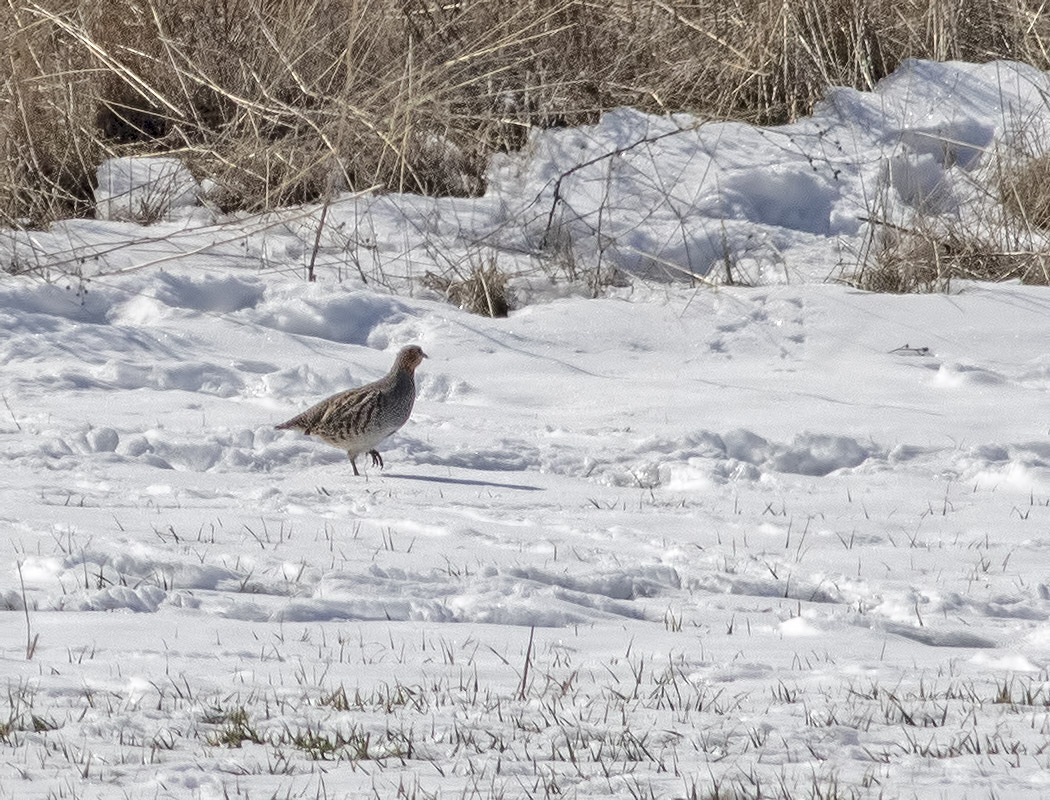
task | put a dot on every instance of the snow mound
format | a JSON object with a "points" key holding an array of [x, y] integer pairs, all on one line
{"points": [[143, 189]]}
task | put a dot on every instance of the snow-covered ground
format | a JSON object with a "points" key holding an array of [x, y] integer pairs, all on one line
{"points": [[781, 541]]}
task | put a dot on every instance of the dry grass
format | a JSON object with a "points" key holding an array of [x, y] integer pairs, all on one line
{"points": [[483, 291], [931, 256], [274, 99], [1022, 179]]}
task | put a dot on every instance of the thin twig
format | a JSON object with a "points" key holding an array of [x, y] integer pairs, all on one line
{"points": [[12, 413], [31, 639], [619, 151], [528, 661], [317, 238]]}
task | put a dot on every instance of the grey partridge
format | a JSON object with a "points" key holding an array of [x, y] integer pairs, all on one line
{"points": [[359, 419]]}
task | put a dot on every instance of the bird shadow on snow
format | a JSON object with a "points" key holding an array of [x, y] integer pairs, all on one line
{"points": [[466, 482]]}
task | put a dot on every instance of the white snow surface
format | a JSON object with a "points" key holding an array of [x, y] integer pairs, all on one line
{"points": [[781, 541]]}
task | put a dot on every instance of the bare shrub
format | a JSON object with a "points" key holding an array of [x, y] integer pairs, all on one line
{"points": [[481, 291], [47, 154], [1021, 177], [931, 256]]}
